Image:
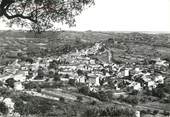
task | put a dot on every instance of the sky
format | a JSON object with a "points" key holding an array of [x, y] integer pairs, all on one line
{"points": [[124, 15]]}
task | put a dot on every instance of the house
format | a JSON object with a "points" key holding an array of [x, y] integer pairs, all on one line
{"points": [[151, 85], [18, 86], [92, 62], [93, 80], [136, 86], [81, 79], [159, 79], [126, 72], [10, 104], [20, 77], [160, 62]]}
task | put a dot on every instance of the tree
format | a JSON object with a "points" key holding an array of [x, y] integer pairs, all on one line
{"points": [[40, 74], [56, 77], [62, 99], [79, 72], [72, 82], [79, 98], [84, 90], [10, 82], [42, 14]]}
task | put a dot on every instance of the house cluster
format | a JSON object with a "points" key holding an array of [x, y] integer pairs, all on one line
{"points": [[88, 70]]}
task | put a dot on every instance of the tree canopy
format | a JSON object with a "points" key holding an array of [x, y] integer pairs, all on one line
{"points": [[42, 14]]}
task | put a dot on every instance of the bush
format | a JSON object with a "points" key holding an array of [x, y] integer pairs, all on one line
{"points": [[38, 89], [109, 111], [167, 100], [84, 90], [56, 77], [3, 108], [158, 92], [72, 82], [4, 92], [33, 105], [1, 83], [155, 112], [31, 85], [133, 100], [166, 113], [10, 82], [93, 103], [79, 98], [62, 99]]}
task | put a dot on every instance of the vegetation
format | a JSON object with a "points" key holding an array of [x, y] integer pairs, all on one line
{"points": [[33, 105], [109, 111], [41, 14], [10, 82], [131, 99], [3, 108]]}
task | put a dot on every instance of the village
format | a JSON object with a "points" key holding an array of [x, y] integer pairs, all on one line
{"points": [[90, 71], [80, 67]]}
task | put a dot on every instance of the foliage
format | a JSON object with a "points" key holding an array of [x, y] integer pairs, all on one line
{"points": [[4, 92], [79, 98], [42, 14], [158, 92], [80, 72], [62, 99], [53, 65], [1, 83], [109, 111], [30, 85], [102, 96], [31, 105], [3, 108], [84, 90], [56, 77], [72, 82], [10, 82], [131, 99], [41, 74]]}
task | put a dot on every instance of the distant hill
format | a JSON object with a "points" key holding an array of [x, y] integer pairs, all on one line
{"points": [[123, 45]]}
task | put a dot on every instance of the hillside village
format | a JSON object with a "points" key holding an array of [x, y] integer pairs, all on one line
{"points": [[82, 68]]}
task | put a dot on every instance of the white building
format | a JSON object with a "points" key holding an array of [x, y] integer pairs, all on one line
{"points": [[18, 86], [159, 79], [81, 79], [93, 80], [20, 77]]}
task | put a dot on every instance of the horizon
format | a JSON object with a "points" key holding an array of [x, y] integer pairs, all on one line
{"points": [[145, 32]]}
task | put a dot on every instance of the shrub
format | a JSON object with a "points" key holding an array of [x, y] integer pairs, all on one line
{"points": [[62, 99], [109, 111], [79, 98], [93, 103], [4, 92], [72, 82], [166, 113], [38, 89], [1, 83], [3, 108], [10, 82], [31, 85], [155, 112], [33, 105], [133, 100], [56, 77], [84, 90]]}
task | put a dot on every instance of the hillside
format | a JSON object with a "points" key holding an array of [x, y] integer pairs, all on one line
{"points": [[124, 46]]}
